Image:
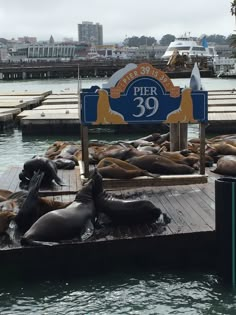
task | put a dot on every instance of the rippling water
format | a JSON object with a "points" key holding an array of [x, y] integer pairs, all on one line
{"points": [[148, 293], [127, 292]]}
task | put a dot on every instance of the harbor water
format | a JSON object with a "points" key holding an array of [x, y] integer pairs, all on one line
{"points": [[133, 291]]}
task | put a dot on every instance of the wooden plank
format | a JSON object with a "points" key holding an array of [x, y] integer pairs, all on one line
{"points": [[197, 204], [180, 200], [221, 109], [178, 224], [222, 102], [163, 180]]}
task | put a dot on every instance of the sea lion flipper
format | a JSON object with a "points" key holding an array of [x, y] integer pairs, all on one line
{"points": [[35, 181], [88, 231], [152, 175], [28, 241], [28, 207], [59, 181]]}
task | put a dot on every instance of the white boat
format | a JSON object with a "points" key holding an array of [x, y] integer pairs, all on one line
{"points": [[186, 45]]}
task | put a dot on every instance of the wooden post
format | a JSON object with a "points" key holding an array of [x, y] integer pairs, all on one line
{"points": [[174, 137], [178, 136], [84, 144], [202, 148], [183, 138]]}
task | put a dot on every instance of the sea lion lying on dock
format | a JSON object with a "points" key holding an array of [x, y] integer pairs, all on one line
{"points": [[74, 221], [160, 165], [226, 165], [115, 168], [125, 211], [43, 164]]}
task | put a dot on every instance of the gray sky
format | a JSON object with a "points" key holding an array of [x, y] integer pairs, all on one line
{"points": [[121, 18]]}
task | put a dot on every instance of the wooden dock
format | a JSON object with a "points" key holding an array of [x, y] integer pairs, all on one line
{"points": [[12, 104], [188, 241]]}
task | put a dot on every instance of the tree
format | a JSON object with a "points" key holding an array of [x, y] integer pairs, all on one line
{"points": [[139, 41], [216, 38], [167, 39], [233, 9], [233, 12]]}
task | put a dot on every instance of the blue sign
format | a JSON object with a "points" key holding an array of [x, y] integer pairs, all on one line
{"points": [[142, 95]]}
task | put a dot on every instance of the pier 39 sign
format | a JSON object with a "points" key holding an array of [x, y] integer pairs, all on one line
{"points": [[139, 94]]}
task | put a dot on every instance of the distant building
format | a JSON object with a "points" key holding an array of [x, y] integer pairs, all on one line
{"points": [[27, 40], [51, 40], [3, 52], [90, 33]]}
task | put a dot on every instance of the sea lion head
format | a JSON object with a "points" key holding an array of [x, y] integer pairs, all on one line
{"points": [[98, 183]]}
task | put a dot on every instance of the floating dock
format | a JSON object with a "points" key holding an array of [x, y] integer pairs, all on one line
{"points": [[189, 240], [14, 103]]}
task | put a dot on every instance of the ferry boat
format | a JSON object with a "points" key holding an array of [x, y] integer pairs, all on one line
{"points": [[186, 45]]}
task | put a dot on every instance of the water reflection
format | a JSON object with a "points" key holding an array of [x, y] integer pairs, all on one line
{"points": [[122, 293]]}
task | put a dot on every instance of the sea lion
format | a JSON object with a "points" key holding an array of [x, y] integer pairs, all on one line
{"points": [[44, 165], [76, 220], [188, 159], [115, 151], [115, 168], [125, 211], [65, 164], [226, 165], [30, 206], [4, 194], [160, 165], [218, 149], [68, 153]]}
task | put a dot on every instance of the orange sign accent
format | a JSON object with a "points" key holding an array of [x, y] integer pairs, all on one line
{"points": [[145, 69]]}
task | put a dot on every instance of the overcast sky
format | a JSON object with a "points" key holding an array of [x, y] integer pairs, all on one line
{"points": [[121, 18]]}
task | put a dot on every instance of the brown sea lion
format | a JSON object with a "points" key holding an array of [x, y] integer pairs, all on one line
{"points": [[115, 151], [226, 165], [74, 221], [55, 149], [68, 153], [115, 168], [221, 148], [189, 159], [4, 194], [160, 165]]}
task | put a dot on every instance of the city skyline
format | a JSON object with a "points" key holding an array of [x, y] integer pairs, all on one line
{"points": [[119, 20]]}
